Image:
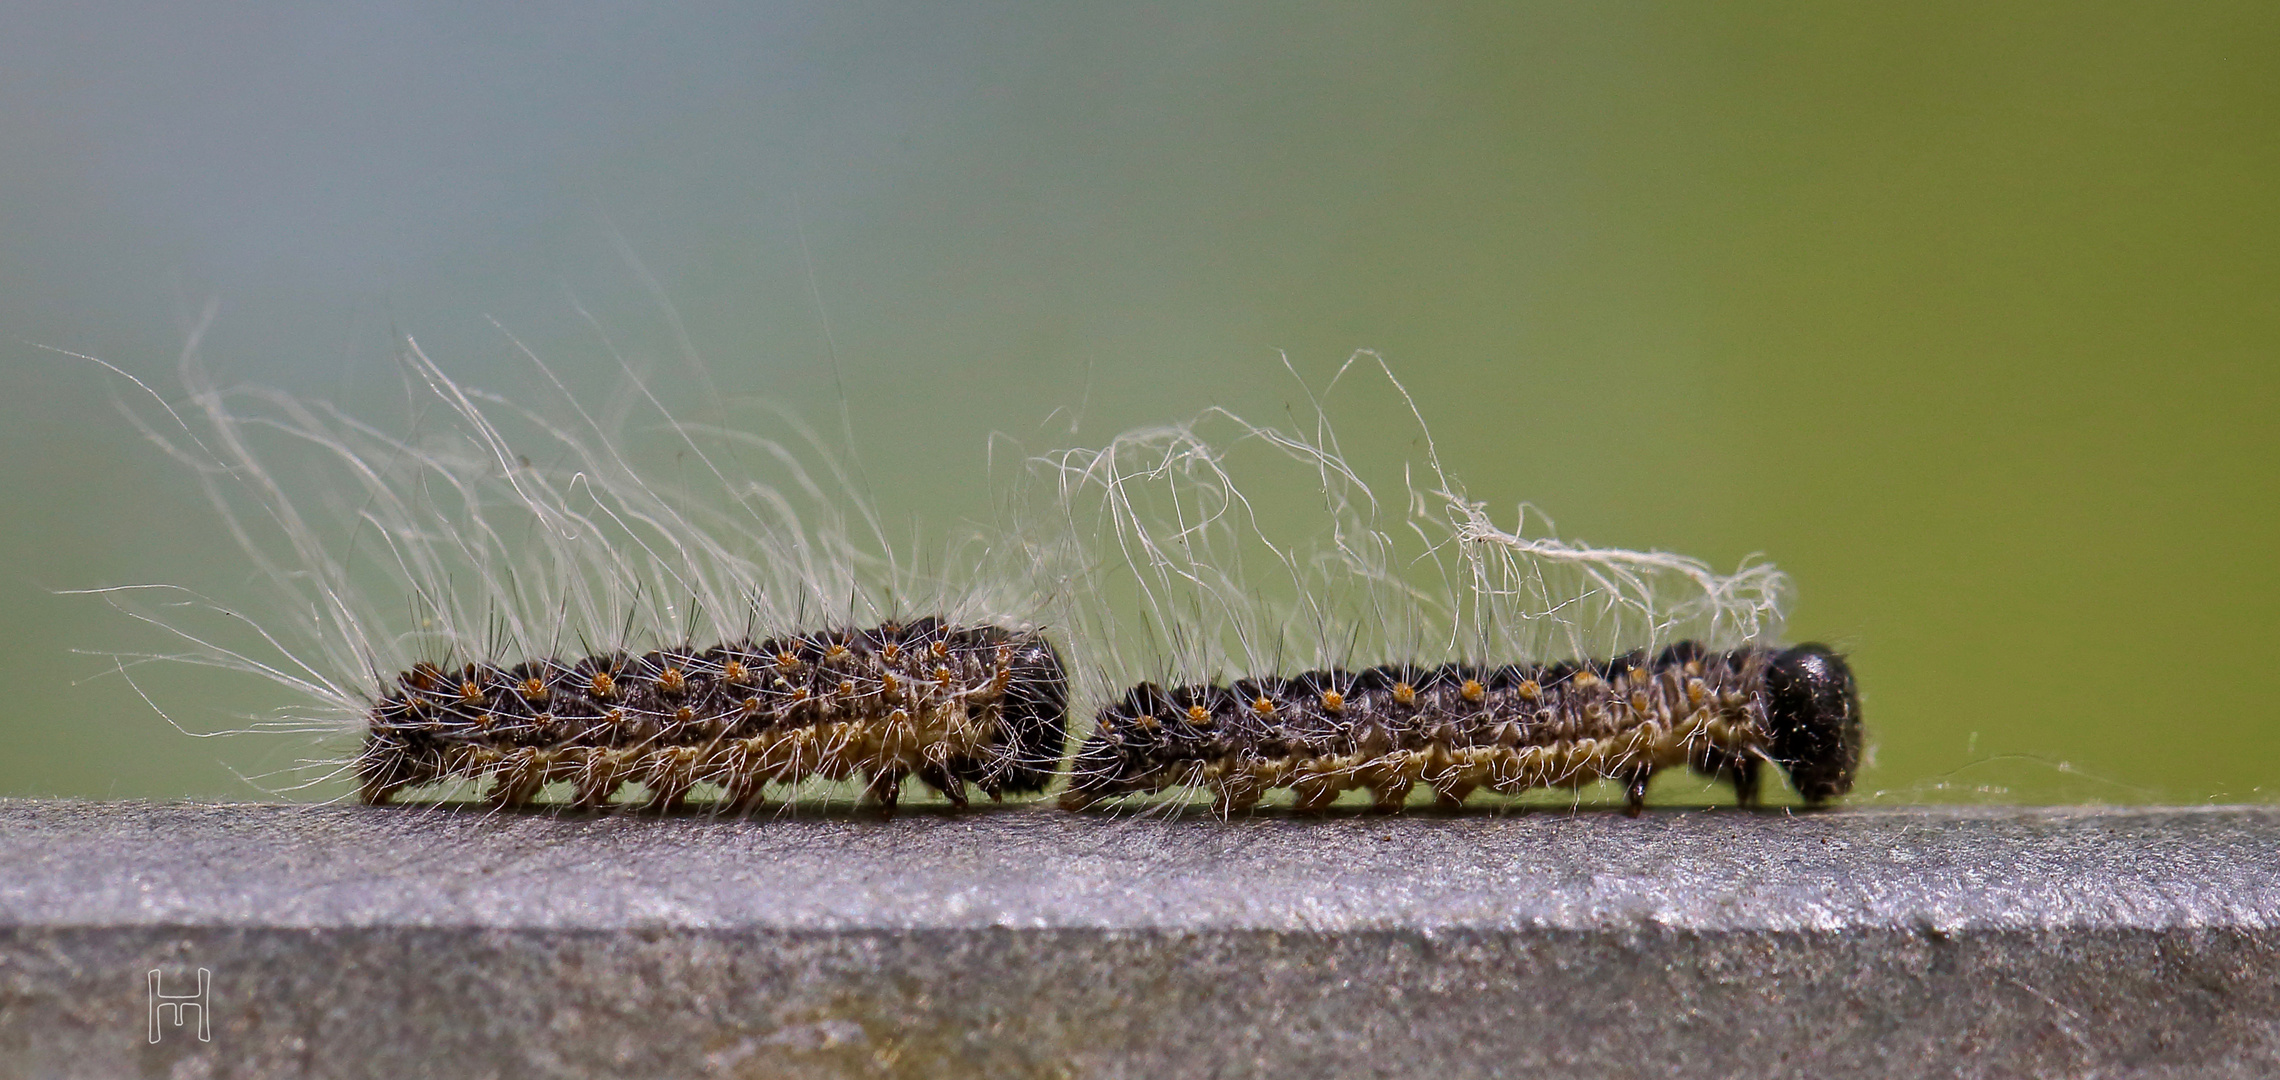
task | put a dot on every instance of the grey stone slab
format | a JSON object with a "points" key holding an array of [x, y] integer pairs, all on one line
{"points": [[351, 941]]}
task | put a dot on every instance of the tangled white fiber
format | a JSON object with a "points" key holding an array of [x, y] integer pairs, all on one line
{"points": [[495, 530], [1185, 575]]}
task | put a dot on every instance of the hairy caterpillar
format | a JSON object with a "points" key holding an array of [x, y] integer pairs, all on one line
{"points": [[1423, 635], [950, 705], [1456, 729], [601, 599]]}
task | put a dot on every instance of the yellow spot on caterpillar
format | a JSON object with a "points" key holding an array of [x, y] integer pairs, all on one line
{"points": [[1694, 667], [1696, 691], [533, 689], [751, 705], [1333, 701], [425, 676], [1529, 691], [846, 688], [672, 682], [684, 714], [1473, 690], [889, 685], [1001, 680], [735, 672], [1146, 722], [891, 652], [799, 694], [1404, 694], [836, 652], [941, 649], [1585, 680], [788, 660], [1199, 716], [615, 716], [470, 694], [602, 686], [1639, 701], [942, 674], [1638, 676], [1263, 706]]}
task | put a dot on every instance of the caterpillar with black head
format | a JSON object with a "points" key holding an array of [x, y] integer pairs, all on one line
{"points": [[1421, 625], [1457, 729], [950, 705]]}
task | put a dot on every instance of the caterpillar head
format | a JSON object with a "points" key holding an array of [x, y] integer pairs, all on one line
{"points": [[1122, 755], [1036, 720], [1813, 710]]}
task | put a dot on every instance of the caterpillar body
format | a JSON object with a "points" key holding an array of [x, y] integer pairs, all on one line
{"points": [[951, 705], [1457, 729]]}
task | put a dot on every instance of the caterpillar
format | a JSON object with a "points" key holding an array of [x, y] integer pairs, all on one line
{"points": [[1457, 729], [950, 705], [1200, 529], [517, 596]]}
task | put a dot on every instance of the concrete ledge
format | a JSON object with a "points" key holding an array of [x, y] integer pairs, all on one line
{"points": [[346, 941]]}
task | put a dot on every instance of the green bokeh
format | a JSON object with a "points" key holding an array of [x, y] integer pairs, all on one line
{"points": [[1968, 316]]}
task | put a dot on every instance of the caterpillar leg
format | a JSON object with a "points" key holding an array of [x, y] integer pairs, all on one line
{"points": [[598, 777], [1074, 800], [519, 779], [1313, 798], [1390, 797], [940, 778], [1236, 793], [1743, 772], [744, 798], [1451, 795], [379, 791], [387, 766], [1317, 784], [670, 775], [1635, 792], [884, 788], [741, 780]]}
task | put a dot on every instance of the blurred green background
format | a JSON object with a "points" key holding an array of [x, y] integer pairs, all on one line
{"points": [[1967, 315]]}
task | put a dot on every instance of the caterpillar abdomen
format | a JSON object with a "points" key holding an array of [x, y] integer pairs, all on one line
{"points": [[951, 705], [1458, 729]]}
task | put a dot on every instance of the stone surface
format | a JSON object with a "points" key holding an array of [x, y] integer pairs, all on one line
{"points": [[350, 941]]}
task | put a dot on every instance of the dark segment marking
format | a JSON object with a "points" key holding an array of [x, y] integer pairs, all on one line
{"points": [[1457, 729], [952, 705]]}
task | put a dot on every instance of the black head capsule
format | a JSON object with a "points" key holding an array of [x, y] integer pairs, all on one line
{"points": [[1036, 720], [1813, 710], [1037, 714], [1126, 745]]}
